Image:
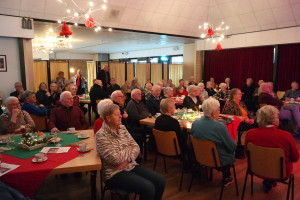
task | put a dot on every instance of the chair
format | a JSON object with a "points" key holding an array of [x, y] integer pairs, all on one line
{"points": [[167, 146], [206, 154], [269, 163], [40, 122], [280, 94]]}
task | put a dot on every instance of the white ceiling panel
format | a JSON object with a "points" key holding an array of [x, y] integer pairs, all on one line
{"points": [[156, 20], [135, 4], [32, 14], [144, 18], [36, 6], [227, 9], [278, 3], [177, 7], [287, 23], [118, 2], [150, 5], [248, 20], [164, 6], [283, 14], [13, 4], [129, 16], [242, 6], [260, 4], [265, 17], [8, 11]]}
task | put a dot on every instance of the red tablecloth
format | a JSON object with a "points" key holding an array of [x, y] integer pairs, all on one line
{"points": [[176, 101], [232, 127], [29, 176]]}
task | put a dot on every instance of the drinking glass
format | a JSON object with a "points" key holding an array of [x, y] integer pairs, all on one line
{"points": [[11, 141]]}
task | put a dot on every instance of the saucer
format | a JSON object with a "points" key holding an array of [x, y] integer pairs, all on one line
{"points": [[87, 150], [69, 132], [83, 137], [36, 161]]}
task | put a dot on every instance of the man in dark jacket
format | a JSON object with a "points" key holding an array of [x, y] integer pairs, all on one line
{"points": [[104, 76], [153, 102], [97, 93], [19, 91], [113, 86]]}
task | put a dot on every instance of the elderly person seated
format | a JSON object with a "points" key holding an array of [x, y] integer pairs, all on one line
{"points": [[168, 92], [96, 93], [165, 122], [118, 99], [60, 81], [54, 94], [118, 152], [67, 115], [222, 95], [13, 120], [192, 81], [153, 101], [294, 92], [126, 86], [201, 86], [30, 104], [210, 89], [192, 101], [287, 111], [228, 84], [113, 86], [209, 129], [42, 95], [19, 91], [101, 105], [267, 135], [73, 89], [179, 92], [148, 90]]}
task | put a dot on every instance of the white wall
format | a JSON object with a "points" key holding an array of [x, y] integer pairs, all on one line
{"points": [[12, 27], [279, 36], [70, 56], [10, 48], [149, 52], [189, 57]]}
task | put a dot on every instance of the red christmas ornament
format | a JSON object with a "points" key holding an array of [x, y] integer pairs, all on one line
{"points": [[65, 31], [218, 47], [90, 22], [210, 32]]}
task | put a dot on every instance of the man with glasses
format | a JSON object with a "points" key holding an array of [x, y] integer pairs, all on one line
{"points": [[67, 115], [19, 91]]}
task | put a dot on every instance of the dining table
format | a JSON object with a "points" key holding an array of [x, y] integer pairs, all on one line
{"points": [[29, 175]]}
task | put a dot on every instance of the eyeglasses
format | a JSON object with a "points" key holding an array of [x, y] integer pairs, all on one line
{"points": [[120, 96]]}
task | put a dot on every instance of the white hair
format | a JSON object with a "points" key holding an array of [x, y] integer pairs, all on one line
{"points": [[209, 106], [156, 87], [9, 99], [201, 84], [115, 93], [102, 104], [134, 91], [266, 115], [63, 94], [222, 84], [192, 88], [167, 89]]}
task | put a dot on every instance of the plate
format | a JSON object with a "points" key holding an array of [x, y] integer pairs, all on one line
{"points": [[69, 132], [83, 137], [55, 140], [36, 161], [87, 150]]}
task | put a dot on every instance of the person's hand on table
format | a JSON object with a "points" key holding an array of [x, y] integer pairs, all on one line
{"points": [[249, 121], [54, 130]]}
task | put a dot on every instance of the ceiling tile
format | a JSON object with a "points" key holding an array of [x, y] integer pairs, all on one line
{"points": [[177, 7], [214, 13], [242, 7], [13, 4], [143, 18], [202, 2], [248, 20], [29, 5], [278, 3], [150, 6], [135, 4], [265, 17], [156, 20], [252, 28], [164, 6], [129, 16], [283, 14], [168, 22], [118, 2], [286, 24], [260, 5], [227, 9], [296, 8], [8, 11], [38, 15]]}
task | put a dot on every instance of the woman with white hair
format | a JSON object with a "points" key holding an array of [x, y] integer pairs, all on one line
{"points": [[267, 135], [203, 92], [118, 152], [209, 129], [168, 92], [223, 95], [192, 101], [15, 118], [101, 105], [210, 88]]}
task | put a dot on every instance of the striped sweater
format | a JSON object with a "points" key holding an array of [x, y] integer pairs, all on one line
{"points": [[113, 150]]}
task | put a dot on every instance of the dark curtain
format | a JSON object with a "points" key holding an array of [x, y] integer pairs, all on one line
{"points": [[288, 66], [240, 64]]}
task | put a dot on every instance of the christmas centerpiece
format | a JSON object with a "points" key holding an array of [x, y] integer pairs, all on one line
{"points": [[30, 141]]}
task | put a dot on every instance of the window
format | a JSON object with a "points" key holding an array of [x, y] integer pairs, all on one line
{"points": [[133, 60], [177, 60], [164, 59], [142, 61], [154, 60]]}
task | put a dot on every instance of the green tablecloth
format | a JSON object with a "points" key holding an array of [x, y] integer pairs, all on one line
{"points": [[24, 154]]}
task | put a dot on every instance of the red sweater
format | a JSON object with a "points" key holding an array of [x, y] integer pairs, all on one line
{"points": [[63, 118], [275, 138], [98, 125]]}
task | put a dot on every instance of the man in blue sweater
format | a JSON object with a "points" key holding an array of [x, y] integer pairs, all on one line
{"points": [[30, 104], [209, 129]]}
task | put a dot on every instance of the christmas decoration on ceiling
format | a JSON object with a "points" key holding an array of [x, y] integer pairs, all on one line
{"points": [[65, 31]]}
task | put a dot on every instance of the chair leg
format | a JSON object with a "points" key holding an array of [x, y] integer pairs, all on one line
{"points": [[181, 177], [192, 178], [290, 184], [207, 177], [251, 184], [221, 192], [165, 164], [293, 184], [235, 181], [245, 183], [211, 174], [155, 161]]}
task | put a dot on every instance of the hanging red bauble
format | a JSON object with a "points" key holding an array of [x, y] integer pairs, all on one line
{"points": [[210, 32], [65, 31], [218, 47], [90, 22]]}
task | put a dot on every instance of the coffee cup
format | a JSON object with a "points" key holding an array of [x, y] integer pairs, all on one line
{"points": [[71, 130], [83, 146], [83, 134], [39, 156]]}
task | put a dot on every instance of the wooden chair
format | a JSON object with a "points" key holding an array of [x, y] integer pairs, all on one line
{"points": [[40, 122], [280, 94], [206, 154], [167, 146], [268, 163]]}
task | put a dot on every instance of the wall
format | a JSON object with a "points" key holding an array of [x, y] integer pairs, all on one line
{"points": [[78, 64], [177, 50], [279, 36], [13, 74], [189, 56], [69, 56], [12, 27]]}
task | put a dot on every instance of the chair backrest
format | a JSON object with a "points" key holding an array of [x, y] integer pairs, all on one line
{"points": [[262, 105], [225, 106], [280, 94], [205, 152], [266, 162], [40, 122], [166, 142]]}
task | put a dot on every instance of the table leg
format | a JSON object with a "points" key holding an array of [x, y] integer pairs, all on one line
{"points": [[93, 185], [89, 113]]}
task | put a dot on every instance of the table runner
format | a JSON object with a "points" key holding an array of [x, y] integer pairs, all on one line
{"points": [[29, 176], [25, 154]]}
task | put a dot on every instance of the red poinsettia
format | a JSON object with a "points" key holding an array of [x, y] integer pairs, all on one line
{"points": [[218, 47], [210, 32], [90, 22], [65, 31]]}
